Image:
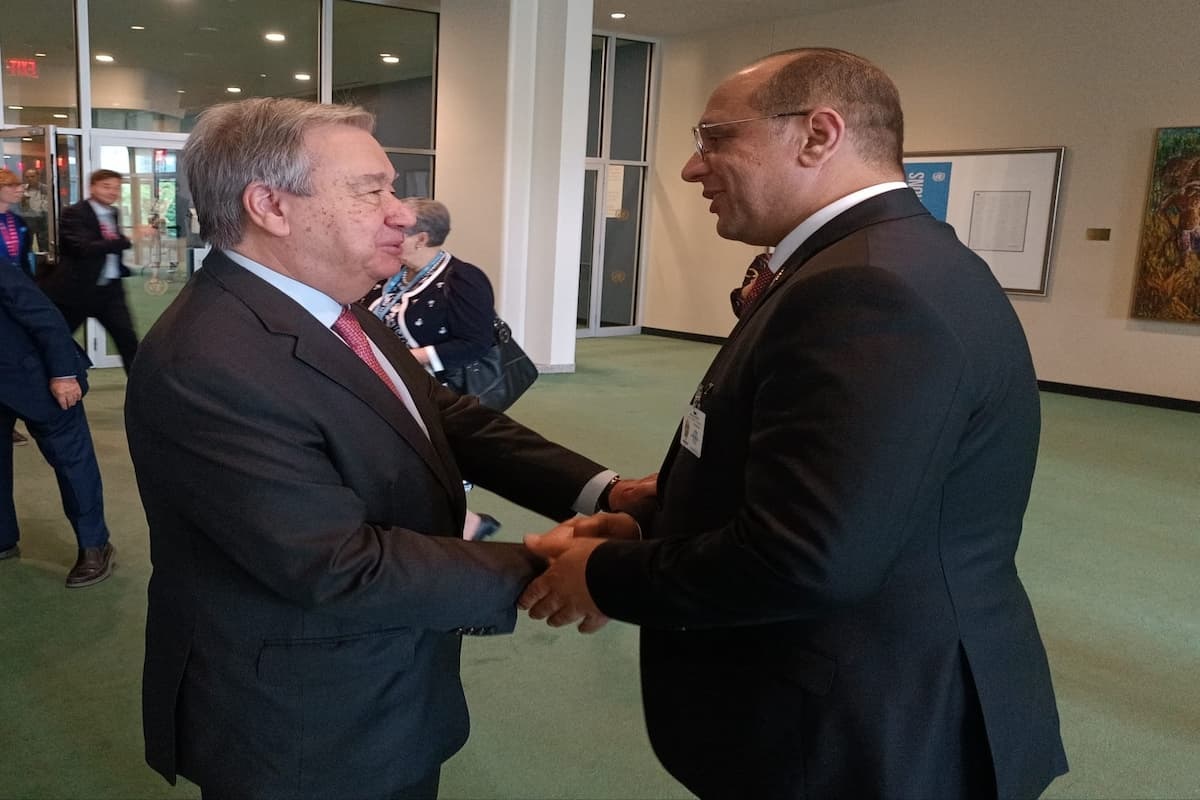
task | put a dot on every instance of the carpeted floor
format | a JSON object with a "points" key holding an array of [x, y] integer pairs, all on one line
{"points": [[1109, 556]]}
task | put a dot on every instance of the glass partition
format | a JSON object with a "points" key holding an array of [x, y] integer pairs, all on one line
{"points": [[37, 48], [385, 60], [155, 66]]}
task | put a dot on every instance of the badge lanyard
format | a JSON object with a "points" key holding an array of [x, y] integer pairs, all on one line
{"points": [[396, 291]]}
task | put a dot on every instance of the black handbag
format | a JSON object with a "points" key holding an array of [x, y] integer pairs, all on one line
{"points": [[499, 377]]}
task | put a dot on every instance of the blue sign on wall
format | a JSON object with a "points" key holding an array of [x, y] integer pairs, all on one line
{"points": [[931, 181]]}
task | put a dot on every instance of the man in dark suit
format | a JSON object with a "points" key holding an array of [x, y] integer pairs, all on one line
{"points": [[87, 280], [42, 381], [302, 479], [827, 592]]}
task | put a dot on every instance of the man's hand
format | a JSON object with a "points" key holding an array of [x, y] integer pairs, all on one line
{"points": [[66, 391], [560, 595], [636, 497]]}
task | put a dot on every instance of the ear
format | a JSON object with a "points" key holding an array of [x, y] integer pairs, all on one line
{"points": [[266, 209], [826, 132]]}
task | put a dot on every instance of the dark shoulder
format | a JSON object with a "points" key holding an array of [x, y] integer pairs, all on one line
{"points": [[468, 273]]}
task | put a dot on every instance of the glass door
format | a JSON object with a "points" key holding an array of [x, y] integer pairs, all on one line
{"points": [[49, 164], [156, 215], [610, 258]]}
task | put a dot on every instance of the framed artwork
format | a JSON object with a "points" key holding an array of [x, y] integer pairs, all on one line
{"points": [[1168, 274], [1001, 203]]}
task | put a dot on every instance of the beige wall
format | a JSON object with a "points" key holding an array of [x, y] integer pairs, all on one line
{"points": [[1095, 76]]}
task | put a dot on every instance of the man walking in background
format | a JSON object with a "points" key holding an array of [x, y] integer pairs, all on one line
{"points": [[87, 281]]}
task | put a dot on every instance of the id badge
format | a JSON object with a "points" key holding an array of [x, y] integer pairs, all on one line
{"points": [[691, 432]]}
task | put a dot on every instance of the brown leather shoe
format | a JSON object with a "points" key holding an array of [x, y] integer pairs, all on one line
{"points": [[93, 565]]}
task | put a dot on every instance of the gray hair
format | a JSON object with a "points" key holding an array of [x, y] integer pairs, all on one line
{"points": [[862, 92], [433, 218], [260, 139]]}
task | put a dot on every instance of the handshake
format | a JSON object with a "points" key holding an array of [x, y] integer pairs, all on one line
{"points": [[560, 594]]}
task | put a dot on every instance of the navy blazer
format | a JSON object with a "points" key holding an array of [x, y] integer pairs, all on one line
{"points": [[36, 347], [24, 257], [82, 253], [828, 597]]}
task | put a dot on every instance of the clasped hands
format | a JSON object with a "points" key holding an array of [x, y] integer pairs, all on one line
{"points": [[560, 594]]}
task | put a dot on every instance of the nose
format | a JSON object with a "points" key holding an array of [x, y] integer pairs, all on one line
{"points": [[400, 216], [694, 168]]}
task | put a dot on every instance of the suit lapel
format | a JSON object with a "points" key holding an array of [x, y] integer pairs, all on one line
{"points": [[885, 207], [321, 349]]}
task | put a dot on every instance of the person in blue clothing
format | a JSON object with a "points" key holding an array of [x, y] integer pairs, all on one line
{"points": [[43, 377]]}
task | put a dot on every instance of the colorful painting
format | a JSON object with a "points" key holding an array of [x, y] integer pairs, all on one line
{"points": [[1168, 282]]}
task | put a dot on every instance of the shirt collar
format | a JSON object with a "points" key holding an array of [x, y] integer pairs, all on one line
{"points": [[101, 209], [320, 305], [791, 243]]}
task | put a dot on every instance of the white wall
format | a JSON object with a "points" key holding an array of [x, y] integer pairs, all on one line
{"points": [[1096, 76]]}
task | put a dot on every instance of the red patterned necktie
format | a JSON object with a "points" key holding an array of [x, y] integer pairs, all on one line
{"points": [[12, 240], [758, 277], [108, 231], [348, 328]]}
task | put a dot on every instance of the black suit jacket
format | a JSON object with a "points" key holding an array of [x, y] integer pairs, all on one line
{"points": [[829, 602], [82, 253], [310, 584]]}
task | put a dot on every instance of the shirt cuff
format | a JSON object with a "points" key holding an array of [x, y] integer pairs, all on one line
{"points": [[585, 503], [435, 363]]}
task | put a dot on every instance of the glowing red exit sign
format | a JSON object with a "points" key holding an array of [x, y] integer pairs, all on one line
{"points": [[21, 67]]}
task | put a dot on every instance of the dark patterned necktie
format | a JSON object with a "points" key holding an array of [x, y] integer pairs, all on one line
{"points": [[348, 328], [758, 277]]}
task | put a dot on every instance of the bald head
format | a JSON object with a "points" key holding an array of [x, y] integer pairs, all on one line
{"points": [[857, 89]]}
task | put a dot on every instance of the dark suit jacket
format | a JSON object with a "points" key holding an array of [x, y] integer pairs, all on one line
{"points": [[829, 602], [82, 252], [36, 346], [310, 584]]}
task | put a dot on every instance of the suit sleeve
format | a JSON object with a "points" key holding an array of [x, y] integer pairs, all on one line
{"points": [[81, 240], [471, 309], [33, 311], [220, 454], [852, 419]]}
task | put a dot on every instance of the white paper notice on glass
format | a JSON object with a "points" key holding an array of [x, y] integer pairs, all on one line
{"points": [[614, 189], [999, 221]]}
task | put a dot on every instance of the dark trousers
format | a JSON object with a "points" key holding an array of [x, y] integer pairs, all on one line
{"points": [[426, 789], [106, 304], [66, 444]]}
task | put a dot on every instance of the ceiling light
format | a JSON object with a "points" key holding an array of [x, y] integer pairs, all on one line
{"points": [[40, 55], [275, 37], [302, 76], [103, 57], [384, 55], [262, 74], [60, 116], [137, 27], [16, 108], [180, 91], [233, 89], [618, 15], [391, 60]]}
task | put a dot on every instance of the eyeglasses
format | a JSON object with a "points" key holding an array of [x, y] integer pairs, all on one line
{"points": [[698, 131]]}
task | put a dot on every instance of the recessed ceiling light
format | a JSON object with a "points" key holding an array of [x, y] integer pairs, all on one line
{"points": [[16, 108], [275, 37], [181, 91], [262, 74], [107, 59], [209, 29], [26, 138], [59, 116], [233, 89], [137, 27], [302, 76], [40, 55], [384, 55], [391, 59], [618, 15]]}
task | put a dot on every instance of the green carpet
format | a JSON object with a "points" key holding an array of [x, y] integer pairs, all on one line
{"points": [[1109, 556]]}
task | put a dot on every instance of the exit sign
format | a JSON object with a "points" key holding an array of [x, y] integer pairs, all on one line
{"points": [[21, 67]]}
